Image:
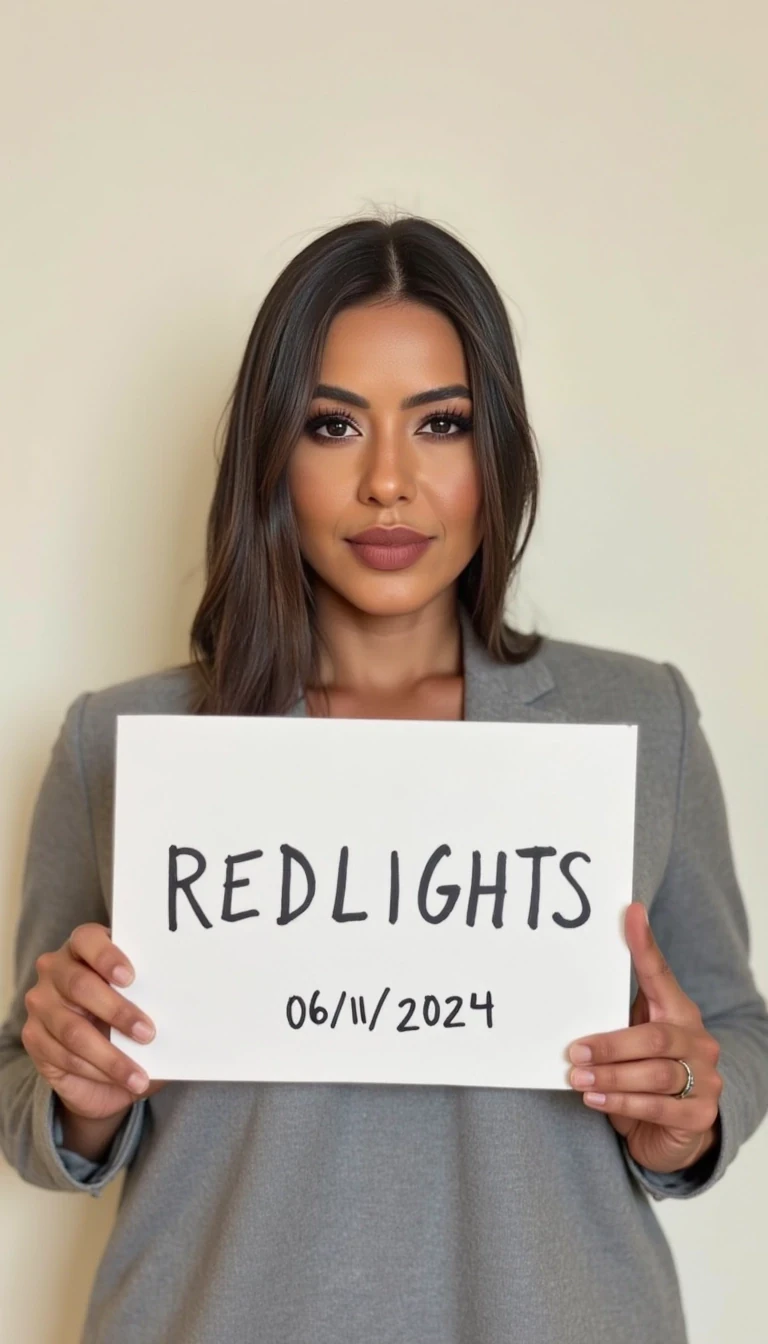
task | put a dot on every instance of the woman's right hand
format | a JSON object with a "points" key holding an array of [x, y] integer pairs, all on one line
{"points": [[69, 1013]]}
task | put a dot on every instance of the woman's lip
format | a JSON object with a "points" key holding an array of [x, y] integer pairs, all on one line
{"points": [[389, 556], [389, 536]]}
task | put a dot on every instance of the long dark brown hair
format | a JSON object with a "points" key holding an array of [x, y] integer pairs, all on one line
{"points": [[252, 636]]}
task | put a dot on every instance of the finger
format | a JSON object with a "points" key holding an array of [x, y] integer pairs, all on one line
{"points": [[649, 1040], [77, 983], [93, 944], [81, 1038], [694, 1117], [46, 1052], [654, 974], [665, 1076]]}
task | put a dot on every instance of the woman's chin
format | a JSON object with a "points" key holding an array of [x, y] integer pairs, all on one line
{"points": [[393, 597]]}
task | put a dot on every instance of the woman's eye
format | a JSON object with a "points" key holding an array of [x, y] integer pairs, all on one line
{"points": [[335, 425], [447, 426], [336, 428], [444, 425]]}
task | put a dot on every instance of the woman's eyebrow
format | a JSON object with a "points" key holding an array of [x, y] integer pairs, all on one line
{"points": [[432, 394]]}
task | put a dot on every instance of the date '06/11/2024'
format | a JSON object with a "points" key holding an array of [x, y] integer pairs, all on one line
{"points": [[299, 1012]]}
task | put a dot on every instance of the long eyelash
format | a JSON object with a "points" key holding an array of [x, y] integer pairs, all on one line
{"points": [[336, 413], [456, 417], [464, 422]]}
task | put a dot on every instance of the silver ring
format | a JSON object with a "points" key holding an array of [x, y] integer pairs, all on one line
{"points": [[688, 1082]]}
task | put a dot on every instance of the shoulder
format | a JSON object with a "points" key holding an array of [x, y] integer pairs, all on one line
{"points": [[173, 690], [88, 739], [592, 682], [169, 691]]}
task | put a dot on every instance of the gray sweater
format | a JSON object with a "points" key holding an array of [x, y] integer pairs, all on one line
{"points": [[336, 1214]]}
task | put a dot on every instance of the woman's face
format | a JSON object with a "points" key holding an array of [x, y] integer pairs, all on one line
{"points": [[369, 459]]}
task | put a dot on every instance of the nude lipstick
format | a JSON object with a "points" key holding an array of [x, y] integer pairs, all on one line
{"points": [[389, 547]]}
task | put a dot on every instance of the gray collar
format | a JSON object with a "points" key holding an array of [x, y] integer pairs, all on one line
{"points": [[497, 691]]}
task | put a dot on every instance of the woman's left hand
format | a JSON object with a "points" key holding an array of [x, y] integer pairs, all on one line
{"points": [[632, 1074]]}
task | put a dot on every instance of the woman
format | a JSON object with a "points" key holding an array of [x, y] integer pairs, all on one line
{"points": [[380, 390]]}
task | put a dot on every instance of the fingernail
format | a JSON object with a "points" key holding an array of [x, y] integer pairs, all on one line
{"points": [[595, 1098], [122, 976], [580, 1054], [138, 1082], [143, 1032], [583, 1077]]}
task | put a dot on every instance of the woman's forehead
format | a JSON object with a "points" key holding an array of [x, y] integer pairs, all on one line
{"points": [[404, 344]]}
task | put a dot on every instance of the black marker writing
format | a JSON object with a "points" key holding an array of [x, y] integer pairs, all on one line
{"points": [[499, 889], [537, 853], [230, 883], [341, 915], [290, 855], [451, 893], [507, 895], [565, 869], [176, 883]]}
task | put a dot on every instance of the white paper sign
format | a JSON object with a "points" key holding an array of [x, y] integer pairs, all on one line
{"points": [[376, 901]]}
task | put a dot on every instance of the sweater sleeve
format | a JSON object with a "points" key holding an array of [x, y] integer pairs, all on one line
{"points": [[60, 889], [700, 923]]}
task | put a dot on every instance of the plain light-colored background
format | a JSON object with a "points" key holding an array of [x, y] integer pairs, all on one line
{"points": [[606, 161]]}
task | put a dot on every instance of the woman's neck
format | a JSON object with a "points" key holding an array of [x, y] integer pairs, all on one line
{"points": [[387, 666]]}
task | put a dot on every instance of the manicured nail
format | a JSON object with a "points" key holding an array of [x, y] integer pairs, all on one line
{"points": [[138, 1082], [580, 1054], [143, 1032], [595, 1098], [583, 1077], [122, 976]]}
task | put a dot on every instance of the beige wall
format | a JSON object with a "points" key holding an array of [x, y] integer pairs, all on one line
{"points": [[606, 160]]}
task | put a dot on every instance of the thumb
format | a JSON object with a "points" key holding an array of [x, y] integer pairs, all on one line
{"points": [[663, 995], [640, 1012]]}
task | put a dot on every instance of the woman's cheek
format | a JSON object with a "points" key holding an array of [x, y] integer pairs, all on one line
{"points": [[456, 498], [318, 491], [318, 506]]}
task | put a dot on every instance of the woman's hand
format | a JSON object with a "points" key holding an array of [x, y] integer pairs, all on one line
{"points": [[69, 1013], [632, 1074]]}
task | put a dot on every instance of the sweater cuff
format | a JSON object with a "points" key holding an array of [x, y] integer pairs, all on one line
{"points": [[70, 1170]]}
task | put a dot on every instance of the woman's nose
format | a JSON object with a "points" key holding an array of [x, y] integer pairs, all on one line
{"points": [[388, 472]]}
